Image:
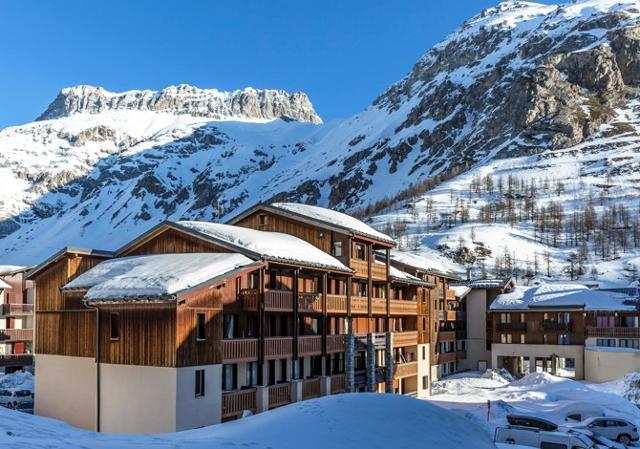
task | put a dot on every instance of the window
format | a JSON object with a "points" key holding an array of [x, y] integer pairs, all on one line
{"points": [[425, 382], [548, 445], [199, 382], [563, 339], [505, 338], [254, 279], [114, 324], [320, 234], [229, 376], [264, 220], [607, 342], [522, 320], [505, 317], [522, 339], [229, 325], [337, 249], [238, 285], [283, 370], [545, 339], [201, 330], [360, 252], [252, 374], [424, 353]]}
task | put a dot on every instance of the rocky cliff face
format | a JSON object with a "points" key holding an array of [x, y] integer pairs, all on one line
{"points": [[518, 79], [246, 104]]}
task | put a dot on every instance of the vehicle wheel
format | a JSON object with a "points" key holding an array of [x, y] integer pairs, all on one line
{"points": [[624, 439]]}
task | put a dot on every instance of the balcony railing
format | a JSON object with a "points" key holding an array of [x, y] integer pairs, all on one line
{"points": [[279, 395], [399, 307], [447, 357], [278, 347], [379, 306], [405, 339], [311, 388], [236, 402], [239, 350], [613, 332], [16, 334], [278, 301], [517, 327], [446, 336], [337, 384], [361, 267], [250, 297], [309, 345], [359, 304], [17, 309], [335, 343], [406, 369], [16, 359], [555, 326], [379, 272], [455, 315], [309, 302], [451, 295], [337, 304]]}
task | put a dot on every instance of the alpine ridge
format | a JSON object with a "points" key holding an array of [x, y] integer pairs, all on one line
{"points": [[518, 86]]}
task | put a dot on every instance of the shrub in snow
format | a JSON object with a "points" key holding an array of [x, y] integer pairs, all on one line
{"points": [[631, 391]]}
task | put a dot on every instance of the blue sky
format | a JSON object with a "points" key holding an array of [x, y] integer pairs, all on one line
{"points": [[341, 53]]}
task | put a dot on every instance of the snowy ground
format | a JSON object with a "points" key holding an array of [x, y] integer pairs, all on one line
{"points": [[538, 394], [342, 421]]}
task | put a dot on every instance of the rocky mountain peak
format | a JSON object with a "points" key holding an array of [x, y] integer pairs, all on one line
{"points": [[244, 105]]}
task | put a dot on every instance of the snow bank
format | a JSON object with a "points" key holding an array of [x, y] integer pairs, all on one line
{"points": [[562, 295], [269, 245], [18, 381], [157, 276], [334, 218], [345, 421]]}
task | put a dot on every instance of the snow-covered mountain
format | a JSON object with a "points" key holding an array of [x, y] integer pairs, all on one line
{"points": [[519, 85]]}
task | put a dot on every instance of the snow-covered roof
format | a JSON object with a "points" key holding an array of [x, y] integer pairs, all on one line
{"points": [[489, 283], [460, 290], [404, 277], [4, 285], [154, 277], [558, 296], [9, 269], [334, 218], [273, 246], [427, 262]]}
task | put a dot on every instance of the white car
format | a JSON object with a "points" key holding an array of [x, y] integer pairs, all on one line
{"points": [[533, 437], [617, 429]]}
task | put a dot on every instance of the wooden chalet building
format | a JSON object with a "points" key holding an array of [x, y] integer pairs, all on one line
{"points": [[192, 323], [16, 319]]}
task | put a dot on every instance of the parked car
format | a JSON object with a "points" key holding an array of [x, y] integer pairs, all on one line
{"points": [[534, 437], [617, 429], [578, 411]]}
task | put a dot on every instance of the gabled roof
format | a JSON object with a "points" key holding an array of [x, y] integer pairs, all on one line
{"points": [[4, 285], [491, 283], [401, 276], [323, 217], [562, 297], [434, 264], [63, 252], [155, 277], [6, 270], [272, 246]]}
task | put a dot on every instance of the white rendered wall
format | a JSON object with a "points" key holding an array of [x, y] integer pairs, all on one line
{"points": [[603, 366]]}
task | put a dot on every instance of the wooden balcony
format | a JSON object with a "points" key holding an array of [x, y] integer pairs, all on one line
{"points": [[16, 334], [455, 315], [236, 402], [613, 332], [359, 304], [516, 327], [406, 369], [311, 388], [274, 300], [335, 343], [240, 350], [379, 272], [309, 345], [451, 295], [405, 339], [338, 384], [309, 302], [378, 306], [447, 357], [361, 267], [555, 326], [17, 309], [447, 336], [16, 360], [399, 307], [337, 304], [249, 297], [278, 347], [279, 395]]}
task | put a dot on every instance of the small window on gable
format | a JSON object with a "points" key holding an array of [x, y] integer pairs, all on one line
{"points": [[201, 331], [337, 249], [114, 325], [264, 219]]}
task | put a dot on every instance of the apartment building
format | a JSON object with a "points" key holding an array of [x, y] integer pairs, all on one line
{"points": [[194, 323], [569, 330], [16, 319]]}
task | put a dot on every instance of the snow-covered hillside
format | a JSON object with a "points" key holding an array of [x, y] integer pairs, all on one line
{"points": [[521, 88], [334, 422]]}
